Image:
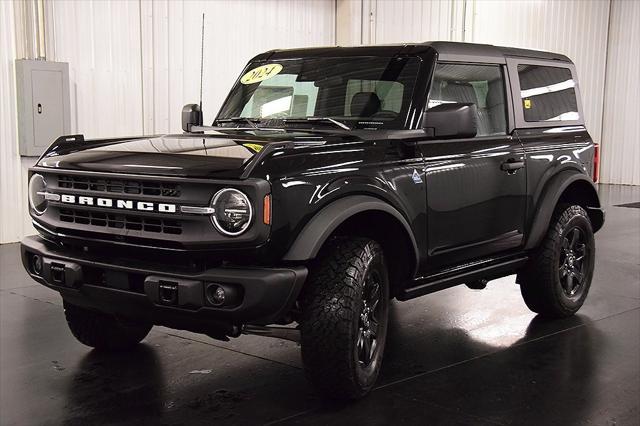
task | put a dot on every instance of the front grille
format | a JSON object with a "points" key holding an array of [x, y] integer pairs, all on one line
{"points": [[121, 221], [119, 186]]}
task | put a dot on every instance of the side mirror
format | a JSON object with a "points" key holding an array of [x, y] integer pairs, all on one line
{"points": [[191, 116], [452, 120]]}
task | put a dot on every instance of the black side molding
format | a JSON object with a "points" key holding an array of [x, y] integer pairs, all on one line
{"points": [[489, 270]]}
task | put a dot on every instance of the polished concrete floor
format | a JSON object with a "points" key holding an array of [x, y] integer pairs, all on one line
{"points": [[454, 357]]}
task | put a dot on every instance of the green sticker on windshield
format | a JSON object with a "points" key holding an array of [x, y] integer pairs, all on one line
{"points": [[261, 73]]}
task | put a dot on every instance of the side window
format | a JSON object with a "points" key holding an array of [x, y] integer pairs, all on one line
{"points": [[482, 85], [548, 93]]}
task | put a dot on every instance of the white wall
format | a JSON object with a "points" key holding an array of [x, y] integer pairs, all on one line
{"points": [[134, 64], [234, 33], [417, 21], [13, 222], [101, 42], [621, 126]]}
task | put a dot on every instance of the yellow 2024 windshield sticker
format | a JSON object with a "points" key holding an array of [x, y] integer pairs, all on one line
{"points": [[253, 146], [261, 73]]}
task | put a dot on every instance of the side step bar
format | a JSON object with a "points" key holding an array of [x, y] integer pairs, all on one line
{"points": [[473, 272], [286, 333]]}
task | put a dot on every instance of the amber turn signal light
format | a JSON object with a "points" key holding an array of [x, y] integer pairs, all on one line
{"points": [[266, 210]]}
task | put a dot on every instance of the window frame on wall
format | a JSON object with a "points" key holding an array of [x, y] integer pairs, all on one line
{"points": [[514, 77]]}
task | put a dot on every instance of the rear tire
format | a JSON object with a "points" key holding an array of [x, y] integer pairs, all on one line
{"points": [[102, 331], [556, 281], [345, 307]]}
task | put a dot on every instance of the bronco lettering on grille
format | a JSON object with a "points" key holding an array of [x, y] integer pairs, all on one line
{"points": [[146, 206]]}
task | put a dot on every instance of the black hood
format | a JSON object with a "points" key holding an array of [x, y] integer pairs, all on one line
{"points": [[226, 155]]}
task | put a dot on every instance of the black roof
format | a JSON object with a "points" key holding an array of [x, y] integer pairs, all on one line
{"points": [[451, 49], [447, 51]]}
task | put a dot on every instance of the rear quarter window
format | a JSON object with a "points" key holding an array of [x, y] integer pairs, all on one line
{"points": [[547, 93]]}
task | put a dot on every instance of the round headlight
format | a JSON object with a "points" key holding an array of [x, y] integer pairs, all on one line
{"points": [[37, 188], [232, 211]]}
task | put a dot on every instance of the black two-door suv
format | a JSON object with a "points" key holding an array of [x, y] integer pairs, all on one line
{"points": [[331, 181]]}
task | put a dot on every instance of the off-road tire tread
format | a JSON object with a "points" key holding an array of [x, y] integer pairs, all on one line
{"points": [[538, 279], [329, 303], [102, 331]]}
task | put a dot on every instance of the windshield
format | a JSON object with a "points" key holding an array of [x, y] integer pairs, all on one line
{"points": [[360, 92]]}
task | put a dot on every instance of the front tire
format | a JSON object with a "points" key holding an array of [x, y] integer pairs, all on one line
{"points": [[344, 318], [102, 331], [557, 280]]}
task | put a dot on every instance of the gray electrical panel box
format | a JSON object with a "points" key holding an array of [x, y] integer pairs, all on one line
{"points": [[44, 112]]}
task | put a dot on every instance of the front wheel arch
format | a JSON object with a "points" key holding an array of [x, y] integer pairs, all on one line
{"points": [[342, 217]]}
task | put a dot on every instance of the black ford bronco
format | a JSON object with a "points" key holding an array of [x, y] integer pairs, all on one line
{"points": [[331, 181]]}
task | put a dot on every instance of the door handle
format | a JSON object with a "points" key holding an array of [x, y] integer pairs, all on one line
{"points": [[511, 166]]}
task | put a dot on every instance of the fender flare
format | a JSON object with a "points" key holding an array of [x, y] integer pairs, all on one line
{"points": [[315, 233], [549, 200]]}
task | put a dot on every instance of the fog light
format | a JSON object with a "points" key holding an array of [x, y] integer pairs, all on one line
{"points": [[216, 295], [219, 296], [36, 262]]}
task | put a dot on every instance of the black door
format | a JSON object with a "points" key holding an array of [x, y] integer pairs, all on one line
{"points": [[475, 187]]}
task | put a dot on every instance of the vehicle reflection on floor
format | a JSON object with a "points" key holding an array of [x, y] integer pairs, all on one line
{"points": [[118, 386]]}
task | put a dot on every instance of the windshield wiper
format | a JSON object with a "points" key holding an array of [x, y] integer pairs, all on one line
{"points": [[323, 119], [251, 121], [330, 120]]}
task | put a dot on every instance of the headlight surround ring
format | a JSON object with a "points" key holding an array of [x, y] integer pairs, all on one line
{"points": [[37, 201], [220, 217]]}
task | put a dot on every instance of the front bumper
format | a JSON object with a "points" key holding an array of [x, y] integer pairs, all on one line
{"points": [[162, 296]]}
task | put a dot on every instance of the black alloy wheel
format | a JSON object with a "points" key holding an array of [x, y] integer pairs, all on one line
{"points": [[344, 318], [556, 281], [368, 327], [574, 256]]}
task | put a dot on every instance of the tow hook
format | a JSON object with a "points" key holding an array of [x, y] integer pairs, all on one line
{"points": [[168, 293]]}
